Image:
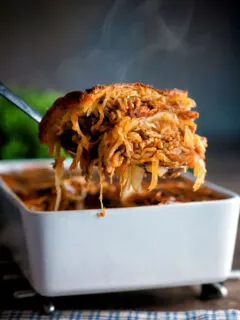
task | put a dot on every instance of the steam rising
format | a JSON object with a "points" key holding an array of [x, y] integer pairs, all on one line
{"points": [[133, 33]]}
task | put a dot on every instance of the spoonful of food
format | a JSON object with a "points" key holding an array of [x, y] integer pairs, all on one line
{"points": [[66, 138]]}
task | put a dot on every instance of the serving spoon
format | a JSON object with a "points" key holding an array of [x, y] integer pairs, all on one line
{"points": [[66, 137]]}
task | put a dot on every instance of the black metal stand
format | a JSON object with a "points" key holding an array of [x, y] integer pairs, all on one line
{"points": [[44, 305], [47, 307], [19, 289], [213, 291]]}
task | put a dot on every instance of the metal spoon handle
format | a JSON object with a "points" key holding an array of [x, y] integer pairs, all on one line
{"points": [[19, 103]]}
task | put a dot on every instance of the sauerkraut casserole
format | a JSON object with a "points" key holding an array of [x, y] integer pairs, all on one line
{"points": [[125, 130], [36, 189]]}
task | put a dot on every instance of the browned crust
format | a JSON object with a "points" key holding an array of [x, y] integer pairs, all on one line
{"points": [[57, 110], [78, 98]]}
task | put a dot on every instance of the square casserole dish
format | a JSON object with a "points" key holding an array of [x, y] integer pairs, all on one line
{"points": [[76, 252]]}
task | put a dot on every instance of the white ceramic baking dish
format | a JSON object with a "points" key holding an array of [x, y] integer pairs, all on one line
{"points": [[76, 252]]}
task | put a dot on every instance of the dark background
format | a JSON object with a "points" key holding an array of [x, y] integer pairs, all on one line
{"points": [[56, 46], [50, 47]]}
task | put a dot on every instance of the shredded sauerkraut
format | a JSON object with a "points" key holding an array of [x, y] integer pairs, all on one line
{"points": [[127, 130]]}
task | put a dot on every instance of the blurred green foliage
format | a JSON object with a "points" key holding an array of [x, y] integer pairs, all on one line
{"points": [[19, 133]]}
